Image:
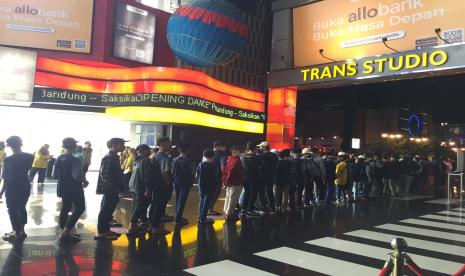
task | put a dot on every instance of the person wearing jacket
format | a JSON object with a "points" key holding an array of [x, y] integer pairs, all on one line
{"points": [[68, 172], [209, 177], [330, 165], [109, 184], [341, 176], [141, 185], [269, 161], [393, 175], [281, 186], [297, 181], [319, 174], [252, 168], [40, 164], [359, 178], [17, 187], [183, 169], [127, 167], [232, 179], [219, 150]]}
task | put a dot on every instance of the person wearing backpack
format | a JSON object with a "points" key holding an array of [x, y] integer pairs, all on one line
{"points": [[140, 184], [183, 170]]}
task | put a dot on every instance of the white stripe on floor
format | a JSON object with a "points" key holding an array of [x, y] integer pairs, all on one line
{"points": [[459, 209], [380, 253], [423, 232], [415, 243], [452, 213], [318, 263], [227, 268], [435, 224], [444, 218], [444, 201]]}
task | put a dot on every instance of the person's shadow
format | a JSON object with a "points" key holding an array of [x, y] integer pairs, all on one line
{"points": [[65, 262], [177, 261], [12, 266], [103, 258]]}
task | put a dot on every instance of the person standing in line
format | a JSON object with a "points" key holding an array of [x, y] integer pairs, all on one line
{"points": [[318, 174], [159, 195], [219, 150], [141, 185], [393, 175], [209, 177], [127, 167], [68, 171], [16, 187], [183, 169], [87, 157], [281, 185], [307, 168], [110, 184], [359, 177], [40, 164], [330, 165], [341, 176], [252, 168], [296, 187], [268, 173], [233, 181], [2, 158], [162, 157]]}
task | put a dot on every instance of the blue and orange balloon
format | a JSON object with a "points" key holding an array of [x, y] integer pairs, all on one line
{"points": [[207, 32]]}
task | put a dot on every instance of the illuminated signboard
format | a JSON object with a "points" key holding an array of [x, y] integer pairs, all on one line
{"points": [[134, 34], [47, 24], [347, 29], [17, 71], [151, 94], [425, 62]]}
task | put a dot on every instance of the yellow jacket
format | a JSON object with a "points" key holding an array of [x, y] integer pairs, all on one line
{"points": [[41, 160], [128, 163], [341, 173], [2, 156]]}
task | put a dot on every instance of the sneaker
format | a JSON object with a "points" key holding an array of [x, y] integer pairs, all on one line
{"points": [[109, 236], [160, 231]]}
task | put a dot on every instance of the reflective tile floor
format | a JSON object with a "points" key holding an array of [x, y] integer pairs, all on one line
{"points": [[338, 240]]}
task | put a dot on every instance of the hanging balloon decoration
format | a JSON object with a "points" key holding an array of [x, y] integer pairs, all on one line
{"points": [[207, 32]]}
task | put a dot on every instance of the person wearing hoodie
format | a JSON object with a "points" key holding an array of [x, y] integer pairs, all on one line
{"points": [[140, 184], [232, 179], [341, 176], [183, 170]]}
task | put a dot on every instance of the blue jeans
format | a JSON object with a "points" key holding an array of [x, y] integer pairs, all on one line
{"points": [[206, 201], [329, 193], [182, 192], [339, 192]]}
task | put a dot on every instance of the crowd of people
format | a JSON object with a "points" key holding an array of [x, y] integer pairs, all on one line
{"points": [[257, 181]]}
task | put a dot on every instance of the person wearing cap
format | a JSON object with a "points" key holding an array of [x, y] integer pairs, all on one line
{"points": [[341, 176], [219, 156], [269, 162], [68, 172], [17, 188], [141, 184], [109, 184]]}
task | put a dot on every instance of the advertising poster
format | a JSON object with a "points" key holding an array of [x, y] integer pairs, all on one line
{"points": [[17, 76], [64, 25], [134, 35], [347, 29]]}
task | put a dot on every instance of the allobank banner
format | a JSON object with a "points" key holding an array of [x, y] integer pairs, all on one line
{"points": [[64, 25], [347, 29]]}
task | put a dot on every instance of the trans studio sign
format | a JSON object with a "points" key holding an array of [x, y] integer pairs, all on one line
{"points": [[376, 65]]}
